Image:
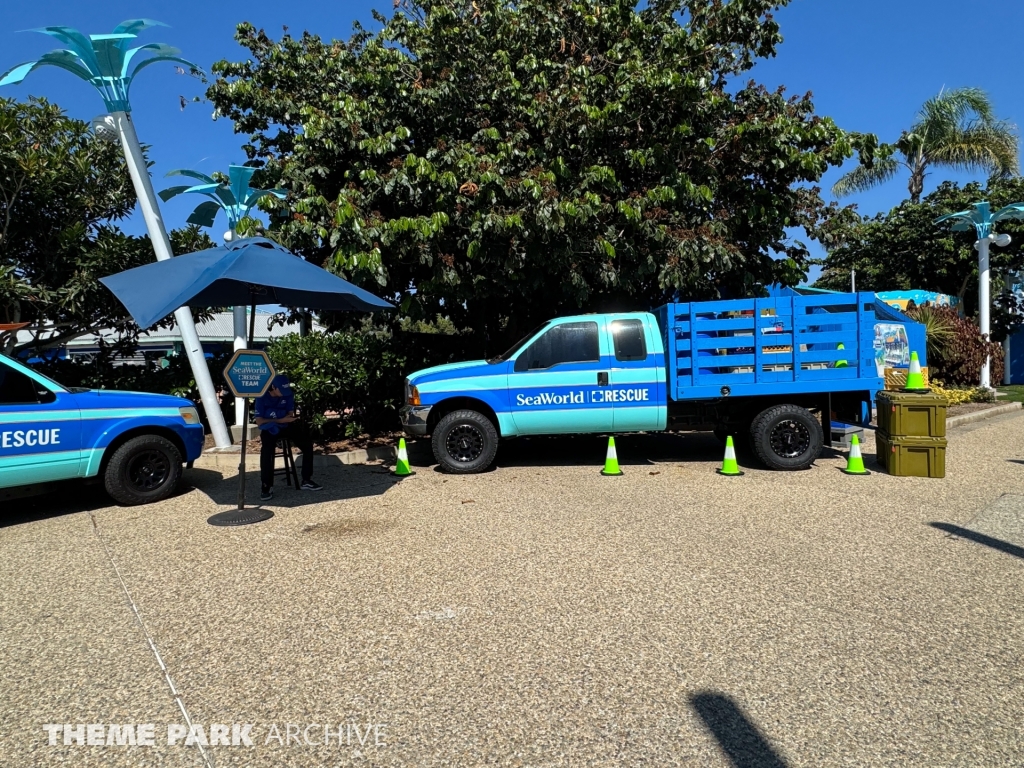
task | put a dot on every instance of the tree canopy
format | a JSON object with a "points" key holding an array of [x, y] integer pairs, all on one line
{"points": [[904, 249], [62, 193], [500, 163], [957, 129]]}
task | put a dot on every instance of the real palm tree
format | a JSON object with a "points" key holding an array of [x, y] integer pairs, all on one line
{"points": [[956, 129]]}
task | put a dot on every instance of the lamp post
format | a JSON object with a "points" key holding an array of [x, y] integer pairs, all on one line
{"points": [[236, 198], [982, 219], [105, 62]]}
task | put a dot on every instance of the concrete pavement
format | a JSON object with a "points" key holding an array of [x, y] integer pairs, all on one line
{"points": [[536, 615]]}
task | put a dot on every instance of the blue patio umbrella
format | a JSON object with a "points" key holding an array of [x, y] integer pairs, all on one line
{"points": [[250, 271]]}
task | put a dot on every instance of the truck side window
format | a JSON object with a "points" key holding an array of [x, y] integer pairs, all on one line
{"points": [[16, 388], [629, 340], [565, 343]]}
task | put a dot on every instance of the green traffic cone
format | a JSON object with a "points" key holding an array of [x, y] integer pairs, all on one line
{"points": [[915, 380], [402, 468], [611, 462], [841, 363], [729, 466], [855, 464]]}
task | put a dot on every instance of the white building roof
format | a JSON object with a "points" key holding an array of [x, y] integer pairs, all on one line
{"points": [[218, 329]]}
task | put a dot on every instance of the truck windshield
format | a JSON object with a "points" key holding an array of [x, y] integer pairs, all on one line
{"points": [[518, 345]]}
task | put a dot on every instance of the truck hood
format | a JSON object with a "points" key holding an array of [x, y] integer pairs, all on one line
{"points": [[469, 368], [112, 398]]}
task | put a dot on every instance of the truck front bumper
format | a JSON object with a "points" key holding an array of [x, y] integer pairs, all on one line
{"points": [[414, 419]]}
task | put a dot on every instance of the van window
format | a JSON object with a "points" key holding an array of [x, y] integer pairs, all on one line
{"points": [[628, 336], [16, 388], [565, 343]]}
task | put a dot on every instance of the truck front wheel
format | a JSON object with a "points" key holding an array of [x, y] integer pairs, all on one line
{"points": [[786, 437], [464, 442], [145, 469]]}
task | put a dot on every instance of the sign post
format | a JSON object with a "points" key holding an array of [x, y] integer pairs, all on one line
{"points": [[248, 374]]}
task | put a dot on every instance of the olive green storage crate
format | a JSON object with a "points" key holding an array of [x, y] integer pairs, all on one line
{"points": [[911, 456], [906, 414]]}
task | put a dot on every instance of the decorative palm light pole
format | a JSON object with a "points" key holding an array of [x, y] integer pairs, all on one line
{"points": [[237, 199], [982, 220], [105, 62]]}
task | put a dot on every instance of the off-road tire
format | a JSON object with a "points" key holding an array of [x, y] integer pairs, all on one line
{"points": [[145, 469], [786, 437], [464, 442]]}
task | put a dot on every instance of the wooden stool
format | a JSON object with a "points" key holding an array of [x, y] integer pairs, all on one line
{"points": [[288, 470]]}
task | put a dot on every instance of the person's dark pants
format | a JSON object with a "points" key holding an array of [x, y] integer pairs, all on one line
{"points": [[298, 434]]}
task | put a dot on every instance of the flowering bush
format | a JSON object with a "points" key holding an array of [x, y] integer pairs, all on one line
{"points": [[958, 396]]}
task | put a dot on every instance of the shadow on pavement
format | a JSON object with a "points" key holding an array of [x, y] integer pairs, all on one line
{"points": [[744, 745], [65, 498], [980, 538], [340, 483], [632, 450]]}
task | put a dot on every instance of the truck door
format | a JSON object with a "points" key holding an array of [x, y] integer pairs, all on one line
{"points": [[40, 431], [553, 382], [637, 374]]}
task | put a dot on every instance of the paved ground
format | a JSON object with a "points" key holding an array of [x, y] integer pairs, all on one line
{"points": [[536, 615]]}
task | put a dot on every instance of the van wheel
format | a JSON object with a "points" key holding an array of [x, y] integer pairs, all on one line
{"points": [[786, 437], [143, 470], [464, 442]]}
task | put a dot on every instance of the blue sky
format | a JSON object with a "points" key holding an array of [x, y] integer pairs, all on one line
{"points": [[870, 64]]}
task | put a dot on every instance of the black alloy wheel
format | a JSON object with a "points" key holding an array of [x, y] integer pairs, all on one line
{"points": [[786, 437], [464, 442]]}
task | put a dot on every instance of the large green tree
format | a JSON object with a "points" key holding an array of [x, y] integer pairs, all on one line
{"points": [[502, 162], [904, 249], [62, 193], [957, 129]]}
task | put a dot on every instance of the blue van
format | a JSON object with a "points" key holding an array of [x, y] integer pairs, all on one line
{"points": [[134, 442]]}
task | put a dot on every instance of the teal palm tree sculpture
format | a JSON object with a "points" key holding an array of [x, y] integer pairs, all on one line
{"points": [[110, 64], [981, 219], [236, 198], [104, 61]]}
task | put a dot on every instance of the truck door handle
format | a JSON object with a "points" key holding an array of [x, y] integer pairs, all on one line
{"points": [[602, 378]]}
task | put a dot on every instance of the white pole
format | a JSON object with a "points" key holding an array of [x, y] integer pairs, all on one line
{"points": [[239, 343], [853, 281], [162, 246], [983, 303]]}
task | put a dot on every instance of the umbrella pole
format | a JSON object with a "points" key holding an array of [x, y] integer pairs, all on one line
{"points": [[245, 420]]}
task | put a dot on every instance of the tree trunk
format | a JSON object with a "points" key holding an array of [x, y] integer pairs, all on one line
{"points": [[916, 185]]}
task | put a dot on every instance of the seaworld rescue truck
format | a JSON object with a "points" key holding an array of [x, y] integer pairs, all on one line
{"points": [[132, 442], [777, 369]]}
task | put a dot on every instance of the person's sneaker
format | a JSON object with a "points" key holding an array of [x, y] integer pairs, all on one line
{"points": [[309, 485], [267, 493]]}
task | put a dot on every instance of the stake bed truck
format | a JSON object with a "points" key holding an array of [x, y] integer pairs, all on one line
{"points": [[776, 370]]}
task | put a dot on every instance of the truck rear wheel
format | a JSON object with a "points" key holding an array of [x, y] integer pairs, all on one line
{"points": [[786, 437], [145, 469], [464, 442]]}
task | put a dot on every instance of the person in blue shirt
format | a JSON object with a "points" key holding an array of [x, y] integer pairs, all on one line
{"points": [[275, 416]]}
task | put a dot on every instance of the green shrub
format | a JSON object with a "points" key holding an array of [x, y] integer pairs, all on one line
{"points": [[956, 349], [359, 374]]}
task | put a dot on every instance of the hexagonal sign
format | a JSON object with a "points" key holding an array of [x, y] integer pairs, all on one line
{"points": [[249, 373]]}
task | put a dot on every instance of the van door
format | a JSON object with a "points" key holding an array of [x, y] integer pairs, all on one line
{"points": [[40, 431], [637, 375], [554, 382]]}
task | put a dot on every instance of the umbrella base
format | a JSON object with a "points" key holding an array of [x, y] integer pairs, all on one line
{"points": [[240, 517]]}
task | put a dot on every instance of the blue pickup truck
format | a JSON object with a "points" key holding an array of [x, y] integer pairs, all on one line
{"points": [[134, 442], [778, 370]]}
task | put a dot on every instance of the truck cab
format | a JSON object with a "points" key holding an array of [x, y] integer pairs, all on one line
{"points": [[135, 442], [579, 374]]}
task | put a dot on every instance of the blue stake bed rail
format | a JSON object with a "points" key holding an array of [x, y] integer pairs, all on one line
{"points": [[780, 345]]}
